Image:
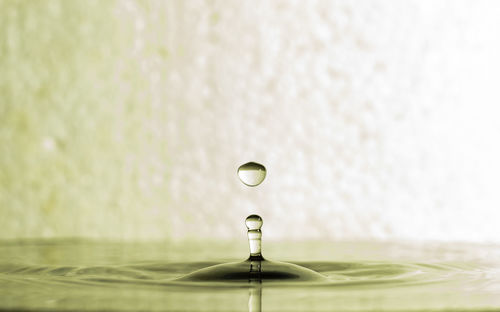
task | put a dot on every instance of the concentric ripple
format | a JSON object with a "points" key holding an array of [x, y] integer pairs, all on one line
{"points": [[336, 274], [74, 276]]}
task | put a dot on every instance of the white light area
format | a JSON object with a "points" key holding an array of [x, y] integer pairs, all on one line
{"points": [[382, 128], [48, 144]]}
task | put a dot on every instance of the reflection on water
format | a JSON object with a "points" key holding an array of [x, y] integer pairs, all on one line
{"points": [[255, 282], [90, 276], [255, 299]]}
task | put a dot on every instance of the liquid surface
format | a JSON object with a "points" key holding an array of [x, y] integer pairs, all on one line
{"points": [[263, 271], [255, 268], [92, 276], [252, 174]]}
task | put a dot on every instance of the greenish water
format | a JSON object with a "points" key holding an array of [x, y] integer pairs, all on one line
{"points": [[68, 275]]}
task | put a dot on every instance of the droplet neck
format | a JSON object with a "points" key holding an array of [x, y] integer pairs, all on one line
{"points": [[254, 223]]}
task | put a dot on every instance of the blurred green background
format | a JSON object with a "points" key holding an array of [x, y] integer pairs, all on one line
{"points": [[128, 119]]}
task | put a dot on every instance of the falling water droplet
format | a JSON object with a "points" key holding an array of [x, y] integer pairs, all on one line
{"points": [[252, 174], [255, 269]]}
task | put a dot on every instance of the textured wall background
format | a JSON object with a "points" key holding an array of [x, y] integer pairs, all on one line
{"points": [[128, 119]]}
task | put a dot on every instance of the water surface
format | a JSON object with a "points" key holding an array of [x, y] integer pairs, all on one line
{"points": [[64, 275]]}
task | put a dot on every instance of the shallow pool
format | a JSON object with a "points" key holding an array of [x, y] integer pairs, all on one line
{"points": [[64, 275]]}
